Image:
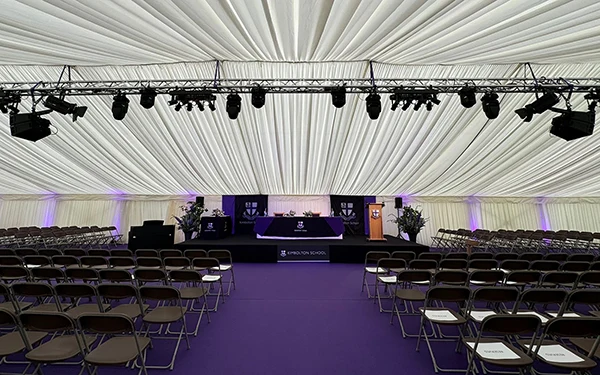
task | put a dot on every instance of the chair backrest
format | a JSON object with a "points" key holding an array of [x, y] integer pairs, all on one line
{"points": [[76, 252], [92, 260], [391, 263], [121, 261], [208, 262], [25, 251], [149, 262], [431, 255], [508, 324], [146, 253], [524, 276], [453, 264], [176, 262], [28, 289], [559, 257], [544, 265], [46, 321], [505, 256], [447, 293], [514, 265], [588, 278], [480, 255], [84, 274], [541, 296], [575, 266], [559, 277], [581, 258], [573, 327], [185, 276], [116, 275], [483, 264], [48, 273], [423, 264], [10, 260], [457, 255], [75, 290], [117, 291], [121, 253], [530, 257], [495, 294], [99, 253], [195, 253], [588, 297], [373, 256], [66, 260], [414, 276], [170, 253], [7, 318], [49, 252], [36, 260], [455, 277], [406, 255], [14, 273], [106, 323], [224, 256], [148, 275], [161, 293], [486, 276]]}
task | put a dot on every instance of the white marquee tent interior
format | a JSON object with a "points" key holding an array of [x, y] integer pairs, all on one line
{"points": [[462, 169]]}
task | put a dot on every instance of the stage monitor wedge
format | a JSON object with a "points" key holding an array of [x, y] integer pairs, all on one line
{"points": [[30, 126]]}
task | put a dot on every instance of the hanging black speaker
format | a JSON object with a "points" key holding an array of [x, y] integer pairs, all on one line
{"points": [[398, 202], [200, 200]]}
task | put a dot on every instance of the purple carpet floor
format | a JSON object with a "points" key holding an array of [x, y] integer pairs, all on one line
{"points": [[301, 318]]}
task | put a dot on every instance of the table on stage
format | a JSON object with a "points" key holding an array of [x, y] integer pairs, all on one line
{"points": [[299, 227], [215, 227]]}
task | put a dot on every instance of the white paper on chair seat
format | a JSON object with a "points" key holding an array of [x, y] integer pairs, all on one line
{"points": [[494, 350], [542, 318], [440, 315], [222, 267], [557, 353], [480, 315], [375, 270], [388, 279], [211, 278], [565, 315]]}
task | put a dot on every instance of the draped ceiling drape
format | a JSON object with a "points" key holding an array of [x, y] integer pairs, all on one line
{"points": [[98, 171]]}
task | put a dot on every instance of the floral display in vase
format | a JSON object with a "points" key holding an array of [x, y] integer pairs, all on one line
{"points": [[411, 221], [189, 221]]}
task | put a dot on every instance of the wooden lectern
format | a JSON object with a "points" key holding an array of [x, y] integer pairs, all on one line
{"points": [[375, 222]]}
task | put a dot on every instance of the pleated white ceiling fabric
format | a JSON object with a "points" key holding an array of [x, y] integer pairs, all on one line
{"points": [[299, 144]]}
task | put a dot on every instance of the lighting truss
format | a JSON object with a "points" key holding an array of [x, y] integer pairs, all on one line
{"points": [[303, 86]]}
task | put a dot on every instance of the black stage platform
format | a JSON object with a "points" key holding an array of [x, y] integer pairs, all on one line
{"points": [[352, 249]]}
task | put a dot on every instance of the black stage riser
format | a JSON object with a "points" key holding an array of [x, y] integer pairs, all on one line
{"points": [[248, 249]]}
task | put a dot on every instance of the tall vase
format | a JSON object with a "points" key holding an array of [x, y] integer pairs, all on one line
{"points": [[188, 235], [412, 237]]}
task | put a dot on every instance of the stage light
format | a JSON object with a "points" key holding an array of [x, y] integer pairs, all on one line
{"points": [[9, 100], [61, 106], [190, 106], [211, 106], [233, 105], [30, 126], [418, 105], [200, 106], [147, 97], [338, 96], [434, 99], [178, 107], [173, 100], [429, 105], [540, 105], [467, 96], [407, 104], [572, 125], [258, 97], [490, 105], [373, 105], [120, 106]]}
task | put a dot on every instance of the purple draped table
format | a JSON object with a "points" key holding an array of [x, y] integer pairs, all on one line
{"points": [[299, 227]]}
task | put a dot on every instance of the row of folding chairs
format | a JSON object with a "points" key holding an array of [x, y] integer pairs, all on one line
{"points": [[155, 305], [522, 326], [60, 237]]}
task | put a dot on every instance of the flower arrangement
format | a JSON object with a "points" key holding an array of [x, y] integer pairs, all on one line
{"points": [[308, 213], [218, 212], [290, 214], [190, 220], [411, 221]]}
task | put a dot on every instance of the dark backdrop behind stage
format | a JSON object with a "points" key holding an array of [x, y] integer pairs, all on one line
{"points": [[244, 209], [352, 210]]}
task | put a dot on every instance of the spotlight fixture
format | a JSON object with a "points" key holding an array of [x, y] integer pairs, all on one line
{"points": [[61, 106], [233, 105], [571, 125], [540, 105], [429, 105], [338, 96], [147, 97], [30, 126], [258, 97], [173, 100], [120, 106], [211, 106], [200, 106], [418, 104], [373, 105], [190, 106], [467, 96], [407, 104], [178, 107], [490, 105], [9, 100]]}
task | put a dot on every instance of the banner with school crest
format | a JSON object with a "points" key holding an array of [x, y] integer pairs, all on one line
{"points": [[351, 208], [247, 209]]}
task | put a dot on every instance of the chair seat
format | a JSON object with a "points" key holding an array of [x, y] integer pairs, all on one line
{"points": [[10, 307], [479, 314], [585, 344], [50, 307], [58, 349], [174, 268], [522, 361], [86, 308], [584, 363], [192, 292], [430, 313], [100, 266], [387, 279], [375, 270], [13, 342], [211, 278], [222, 267], [595, 313], [165, 314], [127, 268], [410, 294], [131, 310], [117, 351]]}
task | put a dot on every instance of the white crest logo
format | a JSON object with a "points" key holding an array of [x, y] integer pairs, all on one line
{"points": [[251, 211], [375, 214], [209, 226], [347, 212], [300, 225], [283, 253]]}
